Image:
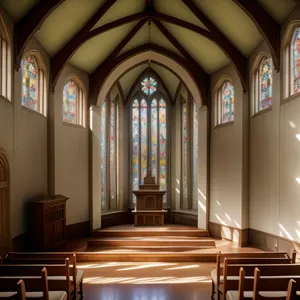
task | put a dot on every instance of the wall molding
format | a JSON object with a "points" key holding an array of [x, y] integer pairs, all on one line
{"points": [[185, 218], [236, 235]]}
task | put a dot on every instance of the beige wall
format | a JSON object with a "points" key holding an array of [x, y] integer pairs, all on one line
{"points": [[71, 152], [228, 163]]}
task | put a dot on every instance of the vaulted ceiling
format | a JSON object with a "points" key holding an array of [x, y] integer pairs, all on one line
{"points": [[202, 35]]}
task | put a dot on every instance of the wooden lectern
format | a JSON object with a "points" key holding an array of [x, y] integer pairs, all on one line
{"points": [[149, 203]]}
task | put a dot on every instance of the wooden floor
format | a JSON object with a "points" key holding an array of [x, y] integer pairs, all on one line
{"points": [[148, 280]]}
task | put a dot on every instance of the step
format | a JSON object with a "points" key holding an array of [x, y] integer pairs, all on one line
{"points": [[147, 233], [145, 256], [146, 241], [123, 249]]}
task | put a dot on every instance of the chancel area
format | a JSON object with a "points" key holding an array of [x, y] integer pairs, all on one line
{"points": [[149, 149]]}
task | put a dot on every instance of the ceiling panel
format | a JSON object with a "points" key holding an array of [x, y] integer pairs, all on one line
{"points": [[170, 80], [17, 9], [120, 9], [130, 77], [178, 10], [95, 50], [65, 22], [233, 22], [278, 9], [206, 53]]}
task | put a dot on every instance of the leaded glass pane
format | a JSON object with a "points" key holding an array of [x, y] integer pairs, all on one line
{"points": [[163, 144], [185, 153], [265, 83], [154, 136], [149, 85], [195, 155], [227, 102], [103, 155], [135, 145], [30, 82], [113, 142], [296, 59], [70, 96], [144, 139]]}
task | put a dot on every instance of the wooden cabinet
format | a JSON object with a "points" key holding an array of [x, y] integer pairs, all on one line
{"points": [[47, 222]]}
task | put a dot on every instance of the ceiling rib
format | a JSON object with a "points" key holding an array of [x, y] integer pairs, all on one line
{"points": [[59, 60], [29, 24], [239, 61], [269, 29], [202, 75], [97, 79]]}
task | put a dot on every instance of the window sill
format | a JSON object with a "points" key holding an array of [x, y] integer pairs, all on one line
{"points": [[224, 124], [33, 111], [188, 212], [290, 98], [261, 112], [72, 125], [112, 212], [5, 99]]}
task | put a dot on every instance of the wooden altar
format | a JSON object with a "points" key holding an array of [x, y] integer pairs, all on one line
{"points": [[149, 203]]}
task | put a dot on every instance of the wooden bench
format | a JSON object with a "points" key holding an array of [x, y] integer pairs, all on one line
{"points": [[49, 258], [36, 288], [59, 275], [247, 258], [262, 287]]}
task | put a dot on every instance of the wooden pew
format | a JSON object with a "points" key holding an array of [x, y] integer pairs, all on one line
{"points": [[262, 287], [49, 258], [37, 288], [59, 276], [247, 258]]}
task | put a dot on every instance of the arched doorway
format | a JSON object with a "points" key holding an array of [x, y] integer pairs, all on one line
{"points": [[4, 204]]}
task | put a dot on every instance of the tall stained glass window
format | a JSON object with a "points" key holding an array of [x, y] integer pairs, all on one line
{"points": [[70, 95], [109, 155], [265, 99], [195, 155], [227, 102], [185, 153], [73, 108], [30, 83], [149, 135], [295, 48]]}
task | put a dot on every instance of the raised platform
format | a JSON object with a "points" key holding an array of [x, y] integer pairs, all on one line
{"points": [[162, 243]]}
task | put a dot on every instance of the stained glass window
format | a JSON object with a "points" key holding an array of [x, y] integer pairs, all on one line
{"points": [[103, 155], [195, 155], [70, 102], [296, 60], [265, 100], [149, 138], [30, 83], [109, 155], [184, 155], [163, 144], [149, 85], [227, 102], [135, 145]]}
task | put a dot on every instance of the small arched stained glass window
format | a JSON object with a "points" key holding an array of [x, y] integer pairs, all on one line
{"points": [[70, 98], [149, 85], [227, 102], [296, 60], [30, 82], [265, 99]]}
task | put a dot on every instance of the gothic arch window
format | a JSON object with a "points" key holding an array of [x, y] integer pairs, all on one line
{"points": [[109, 143], [149, 134], [33, 83], [5, 61], [262, 85], [225, 103], [189, 154], [292, 61], [73, 111]]}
